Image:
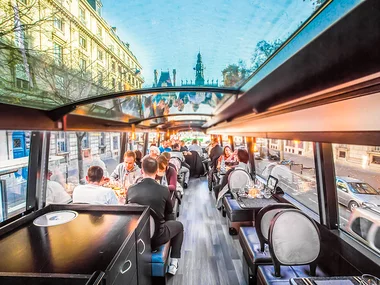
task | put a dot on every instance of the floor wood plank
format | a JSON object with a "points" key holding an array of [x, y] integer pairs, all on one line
{"points": [[210, 256]]}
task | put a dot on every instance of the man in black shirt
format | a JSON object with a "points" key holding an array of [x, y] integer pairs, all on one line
{"points": [[149, 192]]}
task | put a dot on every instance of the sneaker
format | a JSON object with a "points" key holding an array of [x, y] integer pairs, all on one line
{"points": [[172, 269], [185, 185]]}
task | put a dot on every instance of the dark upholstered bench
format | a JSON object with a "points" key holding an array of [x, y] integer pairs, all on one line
{"points": [[160, 259], [236, 216], [253, 256]]}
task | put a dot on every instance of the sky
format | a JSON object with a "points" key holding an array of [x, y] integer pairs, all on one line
{"points": [[167, 35]]}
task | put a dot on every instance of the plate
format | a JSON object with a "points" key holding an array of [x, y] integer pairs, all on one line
{"points": [[55, 218]]}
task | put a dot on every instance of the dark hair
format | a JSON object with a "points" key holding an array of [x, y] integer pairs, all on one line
{"points": [[167, 155], [243, 155], [95, 174], [138, 155], [224, 150], [130, 153], [149, 165], [176, 146], [162, 162], [194, 141]]}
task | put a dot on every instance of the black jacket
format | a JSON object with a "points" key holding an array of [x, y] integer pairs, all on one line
{"points": [[215, 152], [148, 192]]}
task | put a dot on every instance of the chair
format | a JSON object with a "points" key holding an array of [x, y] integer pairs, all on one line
{"points": [[177, 165], [252, 240], [238, 178], [294, 240]]}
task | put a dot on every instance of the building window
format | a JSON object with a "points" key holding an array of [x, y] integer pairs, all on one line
{"points": [[86, 141], [115, 142], [342, 154], [61, 142], [99, 31], [377, 148], [102, 139], [120, 86], [376, 159], [58, 23], [99, 8], [82, 15], [82, 64], [59, 82], [22, 80], [112, 48], [113, 66], [100, 54], [100, 77], [113, 83], [58, 54], [118, 51], [82, 42]]}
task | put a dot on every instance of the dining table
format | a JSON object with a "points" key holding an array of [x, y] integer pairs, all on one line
{"points": [[246, 202]]}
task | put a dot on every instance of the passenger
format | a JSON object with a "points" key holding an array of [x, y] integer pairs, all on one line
{"points": [[165, 146], [185, 168], [215, 152], [227, 158], [166, 175], [196, 147], [243, 158], [149, 192], [168, 156], [97, 161], [154, 152], [55, 193], [183, 146], [138, 158], [93, 192], [127, 172]]}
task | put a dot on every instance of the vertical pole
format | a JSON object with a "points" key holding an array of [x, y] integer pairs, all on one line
{"points": [[146, 141], [158, 139], [231, 142], [251, 151], [123, 146], [220, 140]]}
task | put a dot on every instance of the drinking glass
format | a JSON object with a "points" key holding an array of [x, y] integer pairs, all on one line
{"points": [[368, 279]]}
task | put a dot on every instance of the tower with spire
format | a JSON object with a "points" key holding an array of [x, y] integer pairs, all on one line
{"points": [[199, 75]]}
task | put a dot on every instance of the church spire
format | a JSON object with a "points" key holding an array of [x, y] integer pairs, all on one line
{"points": [[199, 77]]}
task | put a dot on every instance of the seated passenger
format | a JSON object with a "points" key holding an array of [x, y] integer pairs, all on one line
{"points": [[183, 146], [243, 158], [168, 156], [149, 192], [195, 147], [93, 192], [215, 152], [127, 172], [226, 159], [166, 175], [185, 168], [154, 152], [138, 158], [165, 146], [55, 193]]}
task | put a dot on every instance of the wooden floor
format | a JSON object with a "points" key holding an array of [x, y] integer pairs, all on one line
{"points": [[209, 254]]}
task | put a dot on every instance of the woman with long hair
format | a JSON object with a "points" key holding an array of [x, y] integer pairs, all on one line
{"points": [[227, 158]]}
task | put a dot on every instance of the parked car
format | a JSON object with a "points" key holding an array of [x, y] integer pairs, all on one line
{"points": [[364, 225], [354, 193]]}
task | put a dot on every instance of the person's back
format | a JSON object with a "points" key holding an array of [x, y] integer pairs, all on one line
{"points": [[195, 147], [55, 193], [148, 192], [215, 153]]}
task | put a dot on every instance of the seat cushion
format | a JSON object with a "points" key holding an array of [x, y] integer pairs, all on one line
{"points": [[250, 244], [304, 271], [235, 213], [159, 259], [265, 275]]}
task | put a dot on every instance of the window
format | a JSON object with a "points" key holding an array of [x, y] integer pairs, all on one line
{"points": [[115, 142], [99, 8], [58, 54], [59, 82], [100, 54], [113, 83], [13, 180], [100, 77], [20, 35], [58, 23], [82, 64], [113, 66], [102, 139], [82, 42], [295, 171], [357, 183], [377, 239], [61, 142], [120, 86], [86, 141], [118, 51], [22, 80], [99, 31], [82, 15]]}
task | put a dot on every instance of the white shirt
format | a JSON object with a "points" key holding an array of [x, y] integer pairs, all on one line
{"points": [[56, 194], [94, 194], [197, 148]]}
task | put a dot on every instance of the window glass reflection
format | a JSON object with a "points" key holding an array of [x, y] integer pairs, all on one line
{"points": [[292, 163]]}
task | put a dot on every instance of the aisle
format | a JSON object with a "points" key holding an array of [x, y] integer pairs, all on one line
{"points": [[209, 254]]}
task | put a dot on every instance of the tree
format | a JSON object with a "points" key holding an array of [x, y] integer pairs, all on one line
{"points": [[233, 74], [263, 51]]}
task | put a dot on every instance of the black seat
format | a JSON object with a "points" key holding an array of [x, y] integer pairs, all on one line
{"points": [[253, 240], [294, 242]]}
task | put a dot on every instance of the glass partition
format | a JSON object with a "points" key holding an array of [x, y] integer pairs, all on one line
{"points": [[292, 163], [357, 169], [14, 162]]}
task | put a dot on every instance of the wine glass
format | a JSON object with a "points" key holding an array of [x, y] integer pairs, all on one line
{"points": [[368, 279]]}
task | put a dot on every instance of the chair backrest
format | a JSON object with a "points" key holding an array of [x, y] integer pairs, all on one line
{"points": [[294, 239], [154, 223], [176, 162], [238, 178], [264, 218]]}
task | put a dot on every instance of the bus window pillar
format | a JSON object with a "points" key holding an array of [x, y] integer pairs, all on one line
{"points": [[231, 142], [251, 143], [123, 145], [146, 141]]}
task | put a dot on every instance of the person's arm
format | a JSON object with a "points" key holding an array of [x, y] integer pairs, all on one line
{"points": [[115, 174], [168, 204], [112, 198], [172, 179]]}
